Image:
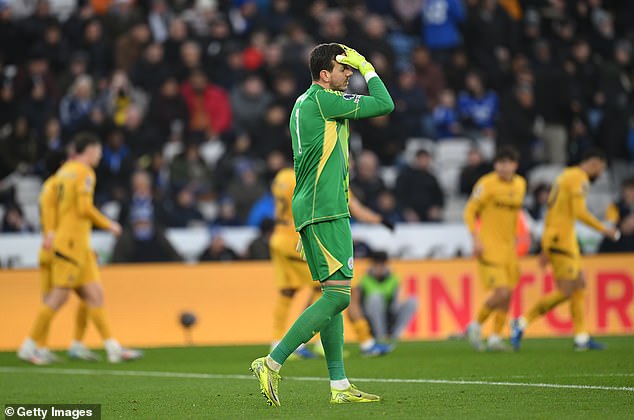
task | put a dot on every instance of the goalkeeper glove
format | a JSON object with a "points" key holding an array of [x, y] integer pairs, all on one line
{"points": [[355, 60]]}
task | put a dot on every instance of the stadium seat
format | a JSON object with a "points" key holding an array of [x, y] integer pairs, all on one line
{"points": [[27, 189], [452, 152], [486, 145], [111, 209], [414, 144], [32, 214], [454, 208]]}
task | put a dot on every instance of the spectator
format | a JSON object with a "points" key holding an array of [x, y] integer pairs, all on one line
{"points": [[120, 97], [115, 168], [168, 107], [478, 107], [387, 208], [379, 135], [621, 215], [209, 107], [150, 70], [142, 218], [517, 124], [441, 21], [14, 220], [387, 314], [418, 192], [445, 117], [259, 248], [410, 105], [246, 189], [475, 168], [226, 214], [217, 250], [77, 110], [77, 66], [367, 183], [37, 107], [429, 75], [55, 49], [98, 49], [249, 102], [189, 170], [176, 37], [183, 212], [274, 133], [538, 207]]}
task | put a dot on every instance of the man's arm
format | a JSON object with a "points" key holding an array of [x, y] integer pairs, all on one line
{"points": [[87, 209], [365, 214], [470, 215], [48, 213], [338, 105], [582, 214]]}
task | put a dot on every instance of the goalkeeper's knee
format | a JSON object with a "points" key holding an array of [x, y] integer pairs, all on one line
{"points": [[338, 296]]}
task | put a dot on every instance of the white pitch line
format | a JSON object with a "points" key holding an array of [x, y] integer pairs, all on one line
{"points": [[184, 375]]}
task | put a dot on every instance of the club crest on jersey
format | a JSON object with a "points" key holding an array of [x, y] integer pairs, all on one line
{"points": [[351, 96], [350, 263], [88, 184]]}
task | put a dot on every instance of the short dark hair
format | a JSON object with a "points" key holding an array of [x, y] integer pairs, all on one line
{"points": [[379, 257], [507, 153], [322, 57], [593, 153], [83, 140]]}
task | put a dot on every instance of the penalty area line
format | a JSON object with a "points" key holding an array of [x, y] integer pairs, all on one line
{"points": [[186, 375]]}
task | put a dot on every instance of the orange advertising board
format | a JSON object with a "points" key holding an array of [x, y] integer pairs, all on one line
{"points": [[234, 302]]}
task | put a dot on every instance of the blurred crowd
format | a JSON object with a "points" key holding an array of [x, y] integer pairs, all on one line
{"points": [[192, 97]]}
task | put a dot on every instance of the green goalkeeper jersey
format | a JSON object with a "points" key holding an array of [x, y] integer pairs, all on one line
{"points": [[320, 131]]}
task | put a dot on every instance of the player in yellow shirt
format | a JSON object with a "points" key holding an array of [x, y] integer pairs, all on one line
{"points": [[496, 201], [566, 205], [292, 273], [48, 217], [74, 264]]}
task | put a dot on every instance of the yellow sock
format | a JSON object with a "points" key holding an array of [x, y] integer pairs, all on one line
{"points": [[576, 311], [280, 315], [362, 330], [483, 314], [499, 321], [98, 317], [81, 321], [544, 305], [39, 333]]}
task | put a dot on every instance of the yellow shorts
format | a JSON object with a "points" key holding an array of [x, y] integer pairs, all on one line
{"points": [[46, 279], [494, 275], [566, 263], [291, 272], [73, 271]]}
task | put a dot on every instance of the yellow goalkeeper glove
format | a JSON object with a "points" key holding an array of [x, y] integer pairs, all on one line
{"points": [[355, 60]]}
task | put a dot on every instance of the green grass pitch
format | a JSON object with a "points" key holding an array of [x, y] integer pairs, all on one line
{"points": [[443, 379]]}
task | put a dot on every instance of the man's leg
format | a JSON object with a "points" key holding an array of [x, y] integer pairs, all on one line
{"points": [[582, 339], [361, 327], [92, 294], [376, 311], [52, 302], [77, 349], [566, 271], [404, 312]]}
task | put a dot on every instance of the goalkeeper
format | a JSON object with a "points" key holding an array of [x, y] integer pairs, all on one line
{"points": [[320, 131]]}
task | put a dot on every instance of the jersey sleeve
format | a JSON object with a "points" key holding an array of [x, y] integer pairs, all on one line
{"points": [[579, 190], [612, 214], [335, 105], [474, 205], [48, 206], [86, 208]]}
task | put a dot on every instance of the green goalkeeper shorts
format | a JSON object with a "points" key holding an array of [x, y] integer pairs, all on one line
{"points": [[328, 249]]}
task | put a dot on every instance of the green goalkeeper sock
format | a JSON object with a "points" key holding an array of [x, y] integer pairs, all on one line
{"points": [[332, 340], [333, 300]]}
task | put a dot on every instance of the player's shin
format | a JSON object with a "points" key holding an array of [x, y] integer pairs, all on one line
{"points": [[545, 304]]}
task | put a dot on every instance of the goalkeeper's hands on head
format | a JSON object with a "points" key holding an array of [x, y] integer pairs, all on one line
{"points": [[355, 60]]}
